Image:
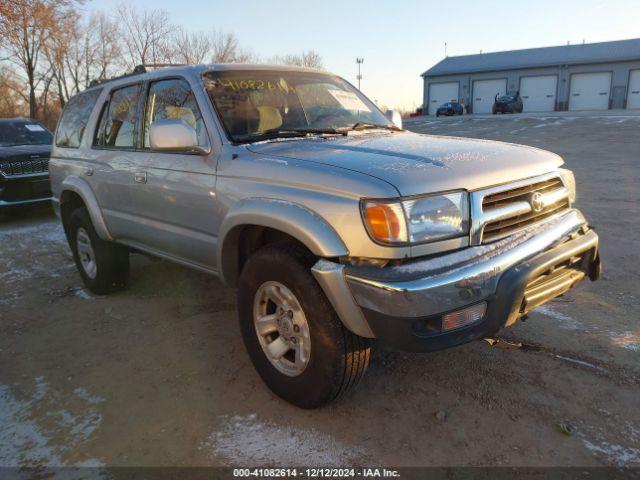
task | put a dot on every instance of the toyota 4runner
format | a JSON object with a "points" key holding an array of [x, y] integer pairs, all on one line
{"points": [[336, 226]]}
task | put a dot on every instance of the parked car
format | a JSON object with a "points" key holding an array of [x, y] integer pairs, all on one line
{"points": [[449, 108], [336, 226], [25, 147], [507, 104]]}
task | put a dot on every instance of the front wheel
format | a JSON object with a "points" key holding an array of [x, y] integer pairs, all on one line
{"points": [[296, 342]]}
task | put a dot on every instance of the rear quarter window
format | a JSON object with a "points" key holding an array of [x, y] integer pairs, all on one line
{"points": [[74, 119]]}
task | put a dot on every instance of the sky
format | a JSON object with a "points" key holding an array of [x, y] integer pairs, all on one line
{"points": [[399, 39]]}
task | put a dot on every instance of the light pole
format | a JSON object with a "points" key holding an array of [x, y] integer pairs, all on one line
{"points": [[359, 61]]}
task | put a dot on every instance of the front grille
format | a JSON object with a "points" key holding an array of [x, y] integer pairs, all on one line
{"points": [[513, 209], [24, 166]]}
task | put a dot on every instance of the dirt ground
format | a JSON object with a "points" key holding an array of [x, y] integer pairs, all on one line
{"points": [[158, 375]]}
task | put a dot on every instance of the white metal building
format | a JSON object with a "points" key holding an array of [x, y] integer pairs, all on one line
{"points": [[593, 76]]}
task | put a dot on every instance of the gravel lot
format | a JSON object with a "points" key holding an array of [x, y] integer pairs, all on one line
{"points": [[158, 375]]}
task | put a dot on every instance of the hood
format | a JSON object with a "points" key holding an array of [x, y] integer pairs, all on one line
{"points": [[25, 150], [416, 164]]}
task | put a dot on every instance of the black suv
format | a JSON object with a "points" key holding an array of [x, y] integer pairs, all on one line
{"points": [[25, 148], [507, 104], [449, 108]]}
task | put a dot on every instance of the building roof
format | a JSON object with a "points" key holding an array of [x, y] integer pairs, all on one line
{"points": [[621, 50]]}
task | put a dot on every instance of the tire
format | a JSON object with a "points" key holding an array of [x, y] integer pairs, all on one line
{"points": [[494, 110], [336, 359], [437, 114], [103, 266]]}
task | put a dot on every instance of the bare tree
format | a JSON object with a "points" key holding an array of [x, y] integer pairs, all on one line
{"points": [[63, 51], [106, 47], [190, 47], [312, 59], [308, 59], [25, 27], [14, 100], [226, 49], [146, 35]]}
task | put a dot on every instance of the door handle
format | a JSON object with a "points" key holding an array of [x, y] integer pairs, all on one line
{"points": [[140, 177]]}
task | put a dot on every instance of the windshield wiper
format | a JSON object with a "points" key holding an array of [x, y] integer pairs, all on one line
{"points": [[367, 126], [291, 133]]}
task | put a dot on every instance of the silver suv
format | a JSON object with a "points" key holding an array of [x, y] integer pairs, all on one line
{"points": [[336, 226]]}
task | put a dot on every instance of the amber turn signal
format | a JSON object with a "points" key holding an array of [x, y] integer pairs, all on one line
{"points": [[385, 221]]}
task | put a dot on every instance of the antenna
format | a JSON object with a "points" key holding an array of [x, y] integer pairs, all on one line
{"points": [[359, 61], [445, 49]]}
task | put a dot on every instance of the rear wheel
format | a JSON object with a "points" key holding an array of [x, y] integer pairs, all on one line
{"points": [[296, 342], [103, 266]]}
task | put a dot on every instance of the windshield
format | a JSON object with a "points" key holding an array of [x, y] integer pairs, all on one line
{"points": [[253, 105], [23, 133], [506, 98]]}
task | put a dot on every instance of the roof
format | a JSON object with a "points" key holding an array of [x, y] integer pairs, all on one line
{"points": [[621, 50], [198, 69]]}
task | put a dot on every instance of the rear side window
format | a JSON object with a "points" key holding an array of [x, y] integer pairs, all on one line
{"points": [[75, 118], [173, 99], [118, 123]]}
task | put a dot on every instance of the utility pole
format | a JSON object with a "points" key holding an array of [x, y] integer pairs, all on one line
{"points": [[359, 61]]}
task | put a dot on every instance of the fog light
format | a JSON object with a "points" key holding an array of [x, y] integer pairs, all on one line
{"points": [[464, 317]]}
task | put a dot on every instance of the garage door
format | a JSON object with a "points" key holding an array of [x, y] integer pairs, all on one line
{"points": [[590, 91], [633, 97], [440, 93], [538, 93], [484, 93]]}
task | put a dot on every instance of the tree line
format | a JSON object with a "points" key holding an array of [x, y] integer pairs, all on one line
{"points": [[50, 50]]}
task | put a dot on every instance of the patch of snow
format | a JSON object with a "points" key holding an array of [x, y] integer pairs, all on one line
{"points": [[82, 293], [245, 440], [323, 265], [628, 340], [25, 440], [617, 454], [49, 231], [580, 362], [567, 322], [85, 395]]}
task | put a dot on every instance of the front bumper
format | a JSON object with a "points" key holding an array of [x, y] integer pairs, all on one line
{"points": [[403, 306], [24, 189]]}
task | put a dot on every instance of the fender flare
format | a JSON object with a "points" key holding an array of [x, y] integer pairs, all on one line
{"points": [[291, 218], [83, 189]]}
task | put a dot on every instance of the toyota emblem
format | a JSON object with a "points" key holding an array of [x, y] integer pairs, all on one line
{"points": [[537, 203]]}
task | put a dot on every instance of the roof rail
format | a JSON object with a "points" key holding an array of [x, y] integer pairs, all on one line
{"points": [[162, 65], [138, 70]]}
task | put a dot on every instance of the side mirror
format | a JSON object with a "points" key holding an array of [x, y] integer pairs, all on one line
{"points": [[395, 117], [174, 135]]}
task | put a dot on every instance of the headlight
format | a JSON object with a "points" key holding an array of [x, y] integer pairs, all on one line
{"points": [[570, 182], [418, 219]]}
